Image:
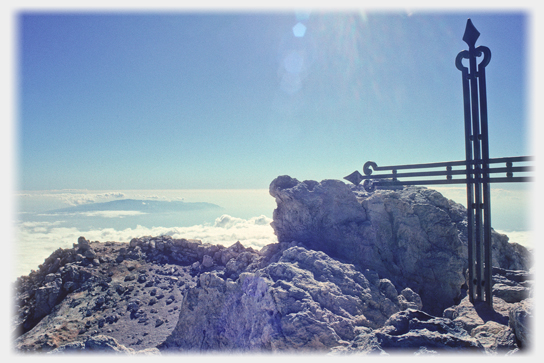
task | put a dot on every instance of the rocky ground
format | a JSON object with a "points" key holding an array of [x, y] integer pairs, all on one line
{"points": [[112, 292], [320, 288]]}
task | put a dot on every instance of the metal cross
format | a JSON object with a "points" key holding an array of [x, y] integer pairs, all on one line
{"points": [[475, 172]]}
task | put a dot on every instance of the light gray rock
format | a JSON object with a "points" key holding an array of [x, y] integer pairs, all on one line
{"points": [[510, 294], [83, 244], [409, 300], [90, 254], [412, 236], [100, 344], [521, 318], [306, 301], [413, 331], [351, 273], [495, 337], [46, 298], [207, 261], [512, 286], [509, 256], [470, 316], [238, 264]]}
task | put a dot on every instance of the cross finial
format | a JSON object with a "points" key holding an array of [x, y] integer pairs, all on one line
{"points": [[471, 34]]}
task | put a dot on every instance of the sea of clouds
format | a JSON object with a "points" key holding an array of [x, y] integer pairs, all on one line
{"points": [[38, 232], [37, 240]]}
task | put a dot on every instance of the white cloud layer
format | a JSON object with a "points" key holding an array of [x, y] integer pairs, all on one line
{"points": [[112, 213], [37, 240], [86, 198], [524, 238]]}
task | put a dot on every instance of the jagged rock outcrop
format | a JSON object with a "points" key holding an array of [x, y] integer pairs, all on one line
{"points": [[304, 301], [284, 297], [128, 291], [466, 327], [353, 272], [413, 235]]}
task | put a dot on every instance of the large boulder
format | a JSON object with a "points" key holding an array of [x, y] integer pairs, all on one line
{"points": [[413, 236]]}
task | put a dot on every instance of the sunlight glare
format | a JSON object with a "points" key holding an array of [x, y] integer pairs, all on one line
{"points": [[299, 30]]}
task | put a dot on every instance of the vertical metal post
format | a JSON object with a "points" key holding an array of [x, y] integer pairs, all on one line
{"points": [[470, 175], [477, 159], [488, 277], [477, 166]]}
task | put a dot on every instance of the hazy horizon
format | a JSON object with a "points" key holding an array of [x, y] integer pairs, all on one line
{"points": [[244, 216]]}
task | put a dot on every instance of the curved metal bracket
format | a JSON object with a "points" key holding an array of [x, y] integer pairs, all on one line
{"points": [[464, 54], [367, 166], [487, 56], [369, 185]]}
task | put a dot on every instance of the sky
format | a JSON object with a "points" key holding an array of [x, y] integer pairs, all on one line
{"points": [[211, 100]]}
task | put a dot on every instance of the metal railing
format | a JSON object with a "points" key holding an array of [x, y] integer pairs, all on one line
{"points": [[473, 172], [476, 172]]}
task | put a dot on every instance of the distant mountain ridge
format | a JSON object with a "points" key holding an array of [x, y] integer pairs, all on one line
{"points": [[147, 206]]}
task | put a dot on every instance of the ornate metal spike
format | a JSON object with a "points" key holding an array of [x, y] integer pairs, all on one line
{"points": [[354, 177], [471, 34]]}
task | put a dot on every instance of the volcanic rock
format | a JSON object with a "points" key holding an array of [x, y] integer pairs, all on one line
{"points": [[410, 330], [304, 301], [520, 320], [413, 236], [100, 344], [353, 272]]}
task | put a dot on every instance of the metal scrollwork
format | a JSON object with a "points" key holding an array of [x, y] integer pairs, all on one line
{"points": [[367, 166], [487, 56], [459, 61], [369, 185]]}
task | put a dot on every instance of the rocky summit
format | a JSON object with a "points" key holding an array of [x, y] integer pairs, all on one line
{"points": [[353, 272]]}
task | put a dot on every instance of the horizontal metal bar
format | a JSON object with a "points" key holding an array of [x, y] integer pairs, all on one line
{"points": [[513, 179], [421, 182], [513, 159], [514, 169], [516, 179], [420, 166], [414, 174], [455, 163]]}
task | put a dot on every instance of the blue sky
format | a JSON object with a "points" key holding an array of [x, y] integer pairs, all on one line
{"points": [[184, 100]]}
